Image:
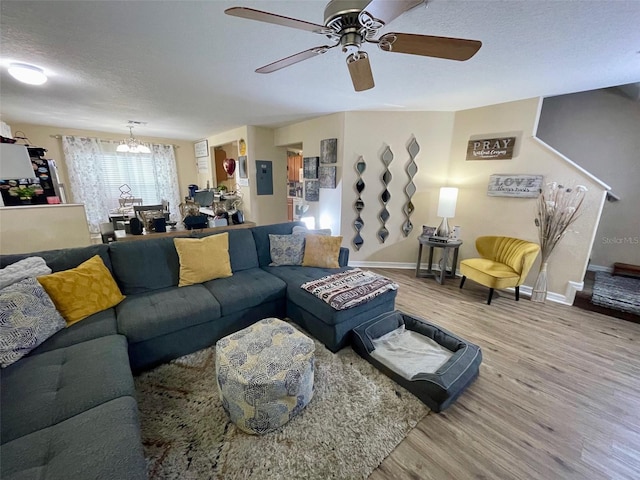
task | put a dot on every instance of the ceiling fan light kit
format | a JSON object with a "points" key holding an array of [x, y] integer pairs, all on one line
{"points": [[350, 24]]}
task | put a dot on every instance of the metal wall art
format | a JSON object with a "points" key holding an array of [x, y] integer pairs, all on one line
{"points": [[359, 204], [329, 150], [410, 189], [385, 196], [327, 177]]}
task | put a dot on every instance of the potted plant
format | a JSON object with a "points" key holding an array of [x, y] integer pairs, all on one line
{"points": [[24, 192]]}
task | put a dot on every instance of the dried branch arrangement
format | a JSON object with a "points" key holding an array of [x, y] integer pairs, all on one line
{"points": [[558, 207]]}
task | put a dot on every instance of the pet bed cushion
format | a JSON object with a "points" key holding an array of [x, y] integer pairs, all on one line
{"points": [[437, 389], [409, 353]]}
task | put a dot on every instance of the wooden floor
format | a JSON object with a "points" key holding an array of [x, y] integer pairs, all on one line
{"points": [[558, 396]]}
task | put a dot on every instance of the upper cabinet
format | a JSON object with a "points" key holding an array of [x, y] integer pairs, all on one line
{"points": [[294, 164]]}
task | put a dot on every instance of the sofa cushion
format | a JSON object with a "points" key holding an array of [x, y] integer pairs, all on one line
{"points": [[246, 289], [149, 315], [296, 276], [63, 259], [145, 265], [261, 238], [42, 390], [321, 251], [82, 291], [101, 443], [27, 318], [101, 324], [203, 259], [242, 250]]}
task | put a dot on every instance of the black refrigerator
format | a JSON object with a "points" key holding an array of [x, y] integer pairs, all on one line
{"points": [[45, 180]]}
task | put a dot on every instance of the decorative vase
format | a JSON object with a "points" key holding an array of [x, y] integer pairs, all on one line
{"points": [[539, 293]]}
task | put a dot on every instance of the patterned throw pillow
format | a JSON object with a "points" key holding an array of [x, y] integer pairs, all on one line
{"points": [[25, 268], [286, 249], [82, 291], [203, 259], [321, 251], [27, 318]]}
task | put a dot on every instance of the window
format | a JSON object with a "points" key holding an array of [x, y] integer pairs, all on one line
{"points": [[133, 169]]}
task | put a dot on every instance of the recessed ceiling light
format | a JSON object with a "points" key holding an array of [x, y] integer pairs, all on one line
{"points": [[27, 73]]}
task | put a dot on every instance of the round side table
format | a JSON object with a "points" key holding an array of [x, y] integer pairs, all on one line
{"points": [[446, 248]]}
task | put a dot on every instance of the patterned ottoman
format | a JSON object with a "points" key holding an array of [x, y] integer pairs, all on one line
{"points": [[264, 375]]}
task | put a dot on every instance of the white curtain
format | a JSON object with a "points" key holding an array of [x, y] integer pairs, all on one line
{"points": [[166, 176], [83, 157], [96, 171]]}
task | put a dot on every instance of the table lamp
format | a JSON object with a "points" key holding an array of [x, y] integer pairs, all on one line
{"points": [[446, 209]]}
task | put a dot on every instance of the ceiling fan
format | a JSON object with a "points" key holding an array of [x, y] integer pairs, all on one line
{"points": [[350, 23]]}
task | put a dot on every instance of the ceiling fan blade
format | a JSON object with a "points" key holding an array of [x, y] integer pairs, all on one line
{"points": [[298, 57], [261, 16], [387, 10], [360, 71], [440, 47]]}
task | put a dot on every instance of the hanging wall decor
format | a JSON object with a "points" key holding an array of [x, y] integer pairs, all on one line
{"points": [[385, 196], [358, 241], [310, 167], [311, 191], [327, 177], [410, 189], [329, 150]]}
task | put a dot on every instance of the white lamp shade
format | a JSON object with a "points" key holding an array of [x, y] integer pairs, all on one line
{"points": [[15, 162], [447, 202]]}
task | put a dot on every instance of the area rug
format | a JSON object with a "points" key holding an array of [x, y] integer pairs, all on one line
{"points": [[355, 419], [617, 292]]}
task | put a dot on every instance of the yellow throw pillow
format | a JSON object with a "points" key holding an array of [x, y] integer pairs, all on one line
{"points": [[321, 251], [203, 259], [82, 291]]}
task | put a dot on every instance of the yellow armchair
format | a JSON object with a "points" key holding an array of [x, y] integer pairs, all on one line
{"points": [[505, 263]]}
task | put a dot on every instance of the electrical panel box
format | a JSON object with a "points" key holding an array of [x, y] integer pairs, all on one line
{"points": [[264, 177]]}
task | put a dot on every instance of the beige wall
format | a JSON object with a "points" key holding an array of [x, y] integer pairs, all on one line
{"points": [[600, 131], [329, 210], [479, 214], [261, 146], [367, 134], [42, 227], [41, 136]]}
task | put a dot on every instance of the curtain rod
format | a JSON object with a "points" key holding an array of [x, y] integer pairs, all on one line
{"points": [[58, 136]]}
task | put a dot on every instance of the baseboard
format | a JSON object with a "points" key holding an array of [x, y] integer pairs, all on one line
{"points": [[566, 299], [399, 265], [599, 268]]}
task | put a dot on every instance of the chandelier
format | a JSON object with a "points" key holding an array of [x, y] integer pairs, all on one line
{"points": [[132, 144]]}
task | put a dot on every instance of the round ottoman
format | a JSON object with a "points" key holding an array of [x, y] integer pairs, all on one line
{"points": [[264, 374]]}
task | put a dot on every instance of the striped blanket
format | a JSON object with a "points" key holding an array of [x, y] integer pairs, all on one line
{"points": [[350, 288]]}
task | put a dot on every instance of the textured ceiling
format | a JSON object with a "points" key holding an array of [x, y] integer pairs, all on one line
{"points": [[187, 69]]}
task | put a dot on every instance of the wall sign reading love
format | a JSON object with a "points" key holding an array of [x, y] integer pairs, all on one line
{"points": [[491, 148], [509, 185]]}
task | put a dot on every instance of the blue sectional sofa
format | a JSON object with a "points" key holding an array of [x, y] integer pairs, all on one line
{"points": [[68, 409]]}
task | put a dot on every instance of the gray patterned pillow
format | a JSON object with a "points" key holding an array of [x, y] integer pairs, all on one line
{"points": [[27, 318], [286, 249]]}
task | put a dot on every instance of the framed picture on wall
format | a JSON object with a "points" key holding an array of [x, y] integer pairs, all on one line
{"points": [[242, 167], [310, 167], [327, 177], [311, 191], [201, 148], [329, 150]]}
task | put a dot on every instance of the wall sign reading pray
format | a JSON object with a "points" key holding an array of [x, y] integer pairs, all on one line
{"points": [[491, 148]]}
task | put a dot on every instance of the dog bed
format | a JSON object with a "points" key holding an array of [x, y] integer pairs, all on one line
{"points": [[432, 363]]}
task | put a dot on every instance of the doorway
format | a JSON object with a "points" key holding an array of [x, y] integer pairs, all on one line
{"points": [[295, 187]]}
